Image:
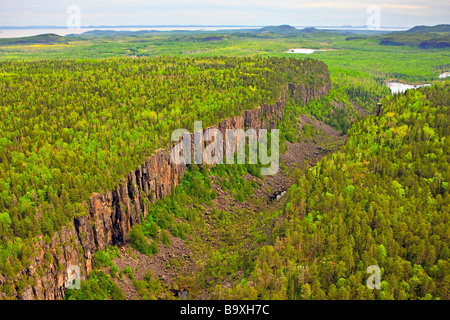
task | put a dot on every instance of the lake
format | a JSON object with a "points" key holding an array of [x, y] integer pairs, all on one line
{"points": [[305, 51], [26, 32], [398, 87]]}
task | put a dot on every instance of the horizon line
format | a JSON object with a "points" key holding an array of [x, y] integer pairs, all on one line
{"points": [[186, 25]]}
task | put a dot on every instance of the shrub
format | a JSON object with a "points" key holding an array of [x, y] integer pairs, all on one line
{"points": [[139, 240], [165, 239]]}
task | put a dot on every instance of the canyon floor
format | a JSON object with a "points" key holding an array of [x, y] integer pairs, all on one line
{"points": [[176, 266]]}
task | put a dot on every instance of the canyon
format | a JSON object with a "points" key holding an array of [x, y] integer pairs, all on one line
{"points": [[112, 213]]}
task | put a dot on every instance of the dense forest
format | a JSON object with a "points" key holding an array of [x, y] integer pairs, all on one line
{"points": [[383, 200], [70, 128]]}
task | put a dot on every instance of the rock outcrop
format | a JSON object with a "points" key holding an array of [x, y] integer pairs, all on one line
{"points": [[112, 214]]}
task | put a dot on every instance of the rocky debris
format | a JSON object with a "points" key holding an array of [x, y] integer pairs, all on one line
{"points": [[158, 264]]}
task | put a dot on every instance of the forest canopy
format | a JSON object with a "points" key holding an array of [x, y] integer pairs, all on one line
{"points": [[73, 127], [383, 200]]}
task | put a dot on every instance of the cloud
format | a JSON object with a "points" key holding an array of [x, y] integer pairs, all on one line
{"points": [[353, 5], [248, 12]]}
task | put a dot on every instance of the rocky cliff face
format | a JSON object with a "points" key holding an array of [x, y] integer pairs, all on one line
{"points": [[112, 214]]}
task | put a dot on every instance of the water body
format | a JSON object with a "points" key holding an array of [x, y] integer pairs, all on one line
{"points": [[16, 33], [304, 51], [62, 31], [398, 87], [281, 194], [277, 195], [444, 75]]}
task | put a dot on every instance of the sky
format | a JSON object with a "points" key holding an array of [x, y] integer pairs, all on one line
{"points": [[388, 13]]}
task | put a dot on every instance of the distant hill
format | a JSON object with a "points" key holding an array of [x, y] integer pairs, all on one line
{"points": [[309, 30], [423, 37], [113, 33], [283, 29], [428, 29], [48, 38], [286, 29]]}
